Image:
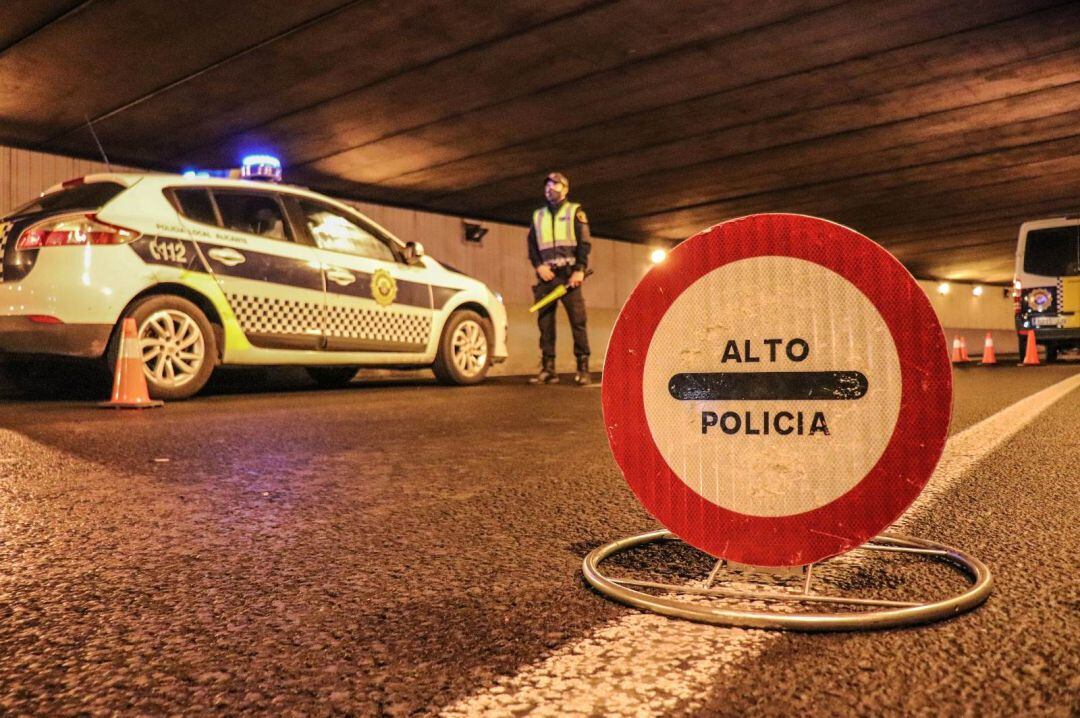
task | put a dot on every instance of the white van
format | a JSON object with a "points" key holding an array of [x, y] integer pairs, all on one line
{"points": [[1046, 288]]}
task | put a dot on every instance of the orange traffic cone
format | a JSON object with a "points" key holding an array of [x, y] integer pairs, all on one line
{"points": [[129, 384], [963, 349], [957, 357], [988, 356], [1031, 355]]}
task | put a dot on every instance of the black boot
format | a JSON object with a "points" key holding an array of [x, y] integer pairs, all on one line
{"points": [[547, 373], [583, 377]]}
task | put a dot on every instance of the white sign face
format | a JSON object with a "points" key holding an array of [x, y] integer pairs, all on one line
{"points": [[777, 391], [753, 333]]}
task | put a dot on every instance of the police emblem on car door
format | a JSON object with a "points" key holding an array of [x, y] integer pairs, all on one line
{"points": [[383, 288], [273, 284], [372, 305]]}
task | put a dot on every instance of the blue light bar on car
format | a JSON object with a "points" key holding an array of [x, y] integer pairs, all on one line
{"points": [[261, 167], [211, 173]]}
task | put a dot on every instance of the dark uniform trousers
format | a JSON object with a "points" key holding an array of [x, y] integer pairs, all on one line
{"points": [[574, 301]]}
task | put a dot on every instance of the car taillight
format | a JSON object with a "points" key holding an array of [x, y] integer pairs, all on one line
{"points": [[73, 230], [1016, 296]]}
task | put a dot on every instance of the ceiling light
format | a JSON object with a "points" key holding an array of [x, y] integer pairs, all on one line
{"points": [[657, 256], [943, 288], [977, 290]]}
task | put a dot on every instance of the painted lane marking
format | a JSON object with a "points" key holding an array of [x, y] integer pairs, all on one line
{"points": [[971, 445], [640, 666]]}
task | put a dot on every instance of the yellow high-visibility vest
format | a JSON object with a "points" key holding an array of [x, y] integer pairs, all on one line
{"points": [[558, 230]]}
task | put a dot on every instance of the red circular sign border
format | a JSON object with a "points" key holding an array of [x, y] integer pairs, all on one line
{"points": [[914, 447]]}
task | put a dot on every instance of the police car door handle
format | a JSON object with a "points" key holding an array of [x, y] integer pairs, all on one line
{"points": [[228, 257], [340, 276]]}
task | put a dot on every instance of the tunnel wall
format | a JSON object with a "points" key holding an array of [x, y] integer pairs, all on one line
{"points": [[25, 174], [962, 314], [500, 260]]}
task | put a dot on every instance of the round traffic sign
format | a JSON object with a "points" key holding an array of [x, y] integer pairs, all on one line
{"points": [[778, 390]]}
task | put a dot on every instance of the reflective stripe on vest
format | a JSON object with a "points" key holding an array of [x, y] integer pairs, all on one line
{"points": [[555, 231]]}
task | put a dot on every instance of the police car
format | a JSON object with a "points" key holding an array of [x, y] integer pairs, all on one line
{"points": [[232, 271]]}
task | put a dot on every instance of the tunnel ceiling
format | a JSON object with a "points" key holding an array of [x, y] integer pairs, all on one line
{"points": [[933, 126]]}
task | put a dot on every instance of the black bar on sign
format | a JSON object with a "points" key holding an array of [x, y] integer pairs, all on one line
{"points": [[817, 385]]}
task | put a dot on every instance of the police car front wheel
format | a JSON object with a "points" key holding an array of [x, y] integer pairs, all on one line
{"points": [[177, 345], [464, 349]]}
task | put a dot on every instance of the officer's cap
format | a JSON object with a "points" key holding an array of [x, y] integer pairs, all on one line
{"points": [[557, 177]]}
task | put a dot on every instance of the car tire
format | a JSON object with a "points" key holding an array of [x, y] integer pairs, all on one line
{"points": [[1051, 353], [464, 355], [176, 325], [331, 377]]}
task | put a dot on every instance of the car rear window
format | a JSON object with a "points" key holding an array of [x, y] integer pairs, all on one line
{"points": [[1053, 252], [89, 196], [196, 204]]}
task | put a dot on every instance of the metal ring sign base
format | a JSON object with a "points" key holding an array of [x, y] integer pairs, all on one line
{"points": [[880, 613]]}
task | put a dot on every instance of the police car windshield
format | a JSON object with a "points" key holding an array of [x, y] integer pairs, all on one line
{"points": [[89, 196], [1053, 252]]}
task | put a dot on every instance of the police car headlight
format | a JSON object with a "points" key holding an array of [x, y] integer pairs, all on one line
{"points": [[1039, 300]]}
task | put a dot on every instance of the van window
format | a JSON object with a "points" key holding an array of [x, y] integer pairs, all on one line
{"points": [[89, 196], [1053, 252], [252, 213]]}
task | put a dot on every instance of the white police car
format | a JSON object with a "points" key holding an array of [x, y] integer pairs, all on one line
{"points": [[228, 271]]}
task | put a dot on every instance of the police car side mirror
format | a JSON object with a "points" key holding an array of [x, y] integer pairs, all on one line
{"points": [[413, 252]]}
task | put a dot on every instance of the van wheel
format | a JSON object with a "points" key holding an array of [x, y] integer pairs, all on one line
{"points": [[176, 342], [464, 349], [331, 377], [1051, 353]]}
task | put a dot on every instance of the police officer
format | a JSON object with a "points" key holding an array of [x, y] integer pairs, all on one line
{"points": [[559, 252]]}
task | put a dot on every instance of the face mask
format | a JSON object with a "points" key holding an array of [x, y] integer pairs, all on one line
{"points": [[555, 192]]}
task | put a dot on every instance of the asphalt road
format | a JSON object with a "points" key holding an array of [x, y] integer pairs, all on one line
{"points": [[395, 547]]}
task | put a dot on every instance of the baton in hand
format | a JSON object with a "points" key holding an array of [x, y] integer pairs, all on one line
{"points": [[554, 294]]}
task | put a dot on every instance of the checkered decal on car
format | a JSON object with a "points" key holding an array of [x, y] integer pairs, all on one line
{"points": [[1060, 295], [267, 315], [378, 325], [5, 229]]}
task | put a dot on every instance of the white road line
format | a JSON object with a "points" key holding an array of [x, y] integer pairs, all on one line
{"points": [[969, 447], [645, 665]]}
